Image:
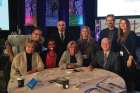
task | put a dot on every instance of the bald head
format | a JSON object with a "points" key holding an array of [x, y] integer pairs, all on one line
{"points": [[105, 44]]}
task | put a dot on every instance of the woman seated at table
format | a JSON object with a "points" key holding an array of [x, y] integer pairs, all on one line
{"points": [[71, 58], [86, 45], [24, 63], [106, 58], [49, 57]]}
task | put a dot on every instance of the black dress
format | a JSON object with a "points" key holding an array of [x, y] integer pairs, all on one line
{"points": [[128, 73]]}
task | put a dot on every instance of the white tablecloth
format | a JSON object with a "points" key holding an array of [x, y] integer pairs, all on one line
{"points": [[79, 81]]}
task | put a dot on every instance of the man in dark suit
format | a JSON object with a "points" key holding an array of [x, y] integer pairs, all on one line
{"points": [[111, 32], [61, 37], [106, 58]]}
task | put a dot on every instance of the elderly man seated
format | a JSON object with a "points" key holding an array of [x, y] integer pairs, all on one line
{"points": [[106, 58]]}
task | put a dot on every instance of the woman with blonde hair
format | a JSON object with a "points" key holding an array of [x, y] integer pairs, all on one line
{"points": [[86, 45], [26, 62], [71, 58]]}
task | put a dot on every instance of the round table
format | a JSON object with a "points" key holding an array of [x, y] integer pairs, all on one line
{"points": [[79, 81]]}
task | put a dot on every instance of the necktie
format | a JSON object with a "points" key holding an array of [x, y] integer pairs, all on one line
{"points": [[62, 36], [105, 59]]}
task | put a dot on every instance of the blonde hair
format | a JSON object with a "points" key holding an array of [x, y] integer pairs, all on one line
{"points": [[72, 44], [88, 30], [29, 41]]}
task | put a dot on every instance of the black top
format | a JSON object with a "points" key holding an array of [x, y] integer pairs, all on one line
{"points": [[87, 48], [72, 59], [29, 61], [130, 45]]}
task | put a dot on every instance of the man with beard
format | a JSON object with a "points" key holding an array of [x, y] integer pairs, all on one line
{"points": [[111, 32]]}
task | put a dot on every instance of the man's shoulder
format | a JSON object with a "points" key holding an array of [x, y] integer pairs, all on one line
{"points": [[116, 29], [53, 34], [105, 29], [99, 53]]}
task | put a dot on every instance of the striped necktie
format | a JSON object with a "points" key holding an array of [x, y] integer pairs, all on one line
{"points": [[105, 59]]}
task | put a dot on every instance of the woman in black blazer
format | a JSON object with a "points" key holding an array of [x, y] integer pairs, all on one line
{"points": [[127, 43]]}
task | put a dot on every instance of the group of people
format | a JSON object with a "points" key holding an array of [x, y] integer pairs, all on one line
{"points": [[123, 41], [115, 51]]}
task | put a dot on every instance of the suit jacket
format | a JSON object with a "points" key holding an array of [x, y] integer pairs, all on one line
{"points": [[65, 59], [19, 68], [113, 61]]}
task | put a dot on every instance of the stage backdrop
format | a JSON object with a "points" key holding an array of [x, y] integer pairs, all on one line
{"points": [[30, 12], [52, 7], [75, 12]]}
